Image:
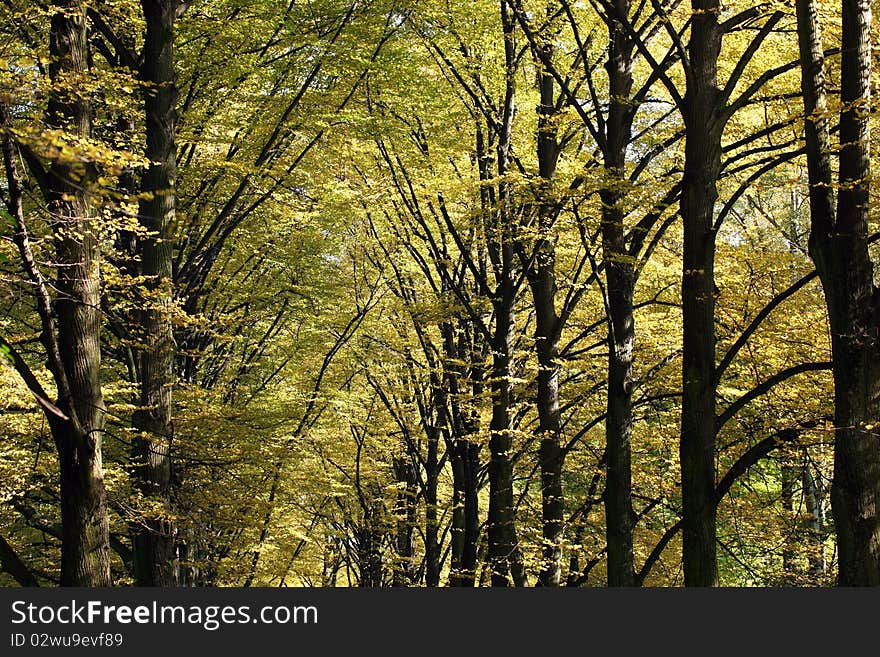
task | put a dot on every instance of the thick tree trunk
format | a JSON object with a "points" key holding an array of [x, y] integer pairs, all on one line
{"points": [[620, 278], [154, 536], [839, 247], [854, 313], [85, 540], [704, 128], [85, 549]]}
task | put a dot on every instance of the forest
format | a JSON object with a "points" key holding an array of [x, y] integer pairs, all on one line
{"points": [[422, 293]]}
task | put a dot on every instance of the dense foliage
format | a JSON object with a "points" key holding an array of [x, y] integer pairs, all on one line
{"points": [[389, 292]]}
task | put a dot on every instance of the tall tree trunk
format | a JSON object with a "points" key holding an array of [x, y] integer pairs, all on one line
{"points": [[505, 558], [620, 277], [503, 552], [542, 281], [405, 512], [456, 528], [464, 452], [787, 476], [85, 551], [432, 525], [854, 313], [369, 548], [465, 458], [154, 535], [839, 247], [813, 522], [704, 126], [470, 545]]}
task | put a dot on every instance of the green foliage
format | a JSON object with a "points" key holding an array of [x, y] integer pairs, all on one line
{"points": [[331, 215]]}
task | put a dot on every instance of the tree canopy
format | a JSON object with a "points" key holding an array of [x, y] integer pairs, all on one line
{"points": [[406, 293]]}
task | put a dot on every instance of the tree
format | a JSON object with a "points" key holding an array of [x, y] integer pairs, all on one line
{"points": [[70, 323], [154, 537], [839, 247]]}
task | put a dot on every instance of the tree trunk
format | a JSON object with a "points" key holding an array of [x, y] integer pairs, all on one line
{"points": [[840, 250], [464, 453], [369, 549], [813, 522], [787, 476], [702, 166], [504, 556], [854, 313], [154, 535], [620, 278], [405, 512], [542, 281], [85, 545], [432, 525]]}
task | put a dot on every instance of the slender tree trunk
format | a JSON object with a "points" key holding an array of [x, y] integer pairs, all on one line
{"points": [[154, 535], [542, 281], [503, 548], [369, 549], [469, 555], [839, 247], [85, 550], [405, 511], [704, 127], [466, 512], [787, 476], [456, 528], [813, 522], [464, 452], [620, 278], [12, 564], [505, 558], [432, 524]]}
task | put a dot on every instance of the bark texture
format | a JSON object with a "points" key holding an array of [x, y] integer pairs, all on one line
{"points": [[839, 247], [704, 127], [620, 278], [154, 536]]}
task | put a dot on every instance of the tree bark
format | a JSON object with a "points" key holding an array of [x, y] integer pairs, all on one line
{"points": [[85, 541], [839, 247], [620, 278], [813, 522], [704, 127], [542, 281], [464, 452], [432, 525], [505, 559], [154, 535], [787, 476], [405, 512], [503, 552]]}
